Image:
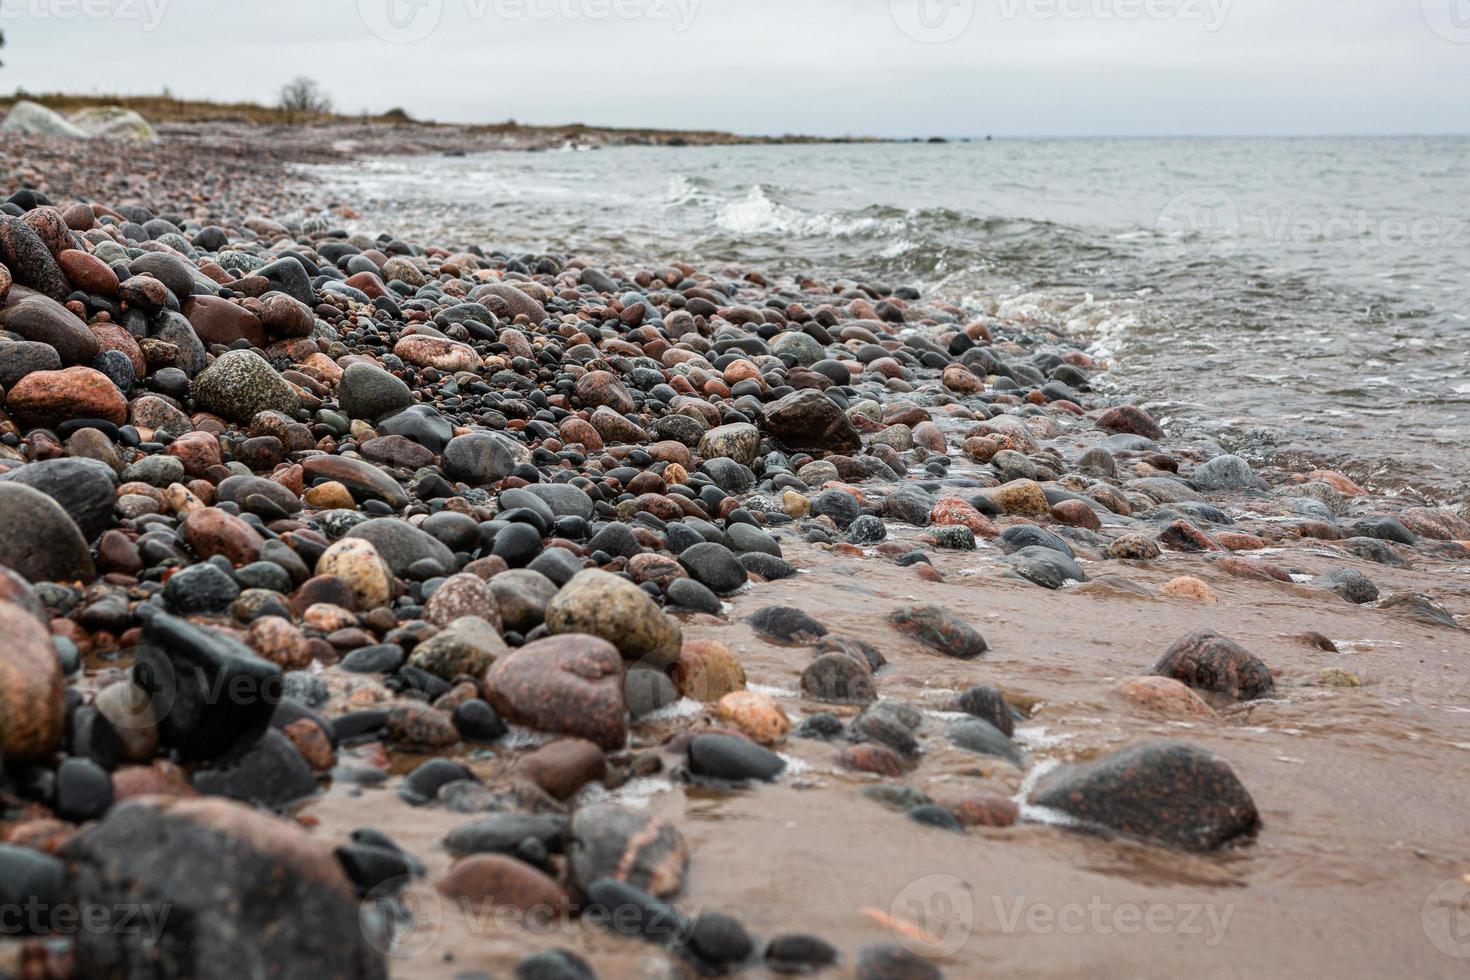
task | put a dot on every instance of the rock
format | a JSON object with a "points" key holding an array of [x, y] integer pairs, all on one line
{"points": [[1045, 567], [217, 320], [517, 302], [1025, 497], [757, 715], [910, 505], [29, 879], [567, 685], [224, 872], [1132, 420], [240, 385], [554, 964], [707, 670], [41, 319], [27, 118], [446, 355], [459, 596], [84, 488], [468, 647], [1169, 792], [211, 532], [522, 597], [483, 458], [1165, 696], [689, 594], [1189, 587], [209, 692], [1133, 547], [503, 833], [417, 726], [601, 604], [891, 962], [787, 625], [796, 953], [22, 357], [987, 703], [366, 391], [808, 420], [838, 678], [356, 562], [939, 630], [739, 442], [203, 588], [34, 266], [564, 766], [732, 758], [1207, 661], [41, 542], [718, 939], [49, 398], [979, 735], [612, 842], [269, 772], [647, 689], [1225, 473], [601, 390], [362, 479], [402, 545], [715, 567], [113, 122], [31, 707], [495, 881], [1351, 584]]}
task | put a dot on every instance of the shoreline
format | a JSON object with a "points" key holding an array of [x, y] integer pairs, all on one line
{"points": [[965, 465]]}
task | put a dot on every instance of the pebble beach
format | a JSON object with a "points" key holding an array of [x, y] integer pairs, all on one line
{"points": [[400, 606]]}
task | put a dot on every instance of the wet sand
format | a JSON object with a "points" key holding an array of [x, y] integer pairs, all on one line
{"points": [[1363, 811]]}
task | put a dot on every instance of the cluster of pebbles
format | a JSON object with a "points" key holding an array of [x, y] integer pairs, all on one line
{"points": [[284, 507]]}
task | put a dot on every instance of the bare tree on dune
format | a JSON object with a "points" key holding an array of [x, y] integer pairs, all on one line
{"points": [[304, 96]]}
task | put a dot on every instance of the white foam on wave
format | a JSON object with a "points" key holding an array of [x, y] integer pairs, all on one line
{"points": [[757, 213]]}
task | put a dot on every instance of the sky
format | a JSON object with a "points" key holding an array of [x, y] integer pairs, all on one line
{"points": [[828, 67]]}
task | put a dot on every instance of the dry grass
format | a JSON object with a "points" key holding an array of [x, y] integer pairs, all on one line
{"points": [[164, 108]]}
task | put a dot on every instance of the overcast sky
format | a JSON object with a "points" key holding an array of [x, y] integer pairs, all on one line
{"points": [[879, 67]]}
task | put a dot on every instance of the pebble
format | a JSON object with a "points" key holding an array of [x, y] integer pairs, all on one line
{"points": [[939, 630], [1207, 661]]}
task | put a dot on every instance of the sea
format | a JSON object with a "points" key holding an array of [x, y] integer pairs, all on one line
{"points": [[1302, 302]]}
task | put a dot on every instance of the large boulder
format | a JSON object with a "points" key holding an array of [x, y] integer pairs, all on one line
{"points": [[27, 118], [114, 122], [246, 895]]}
